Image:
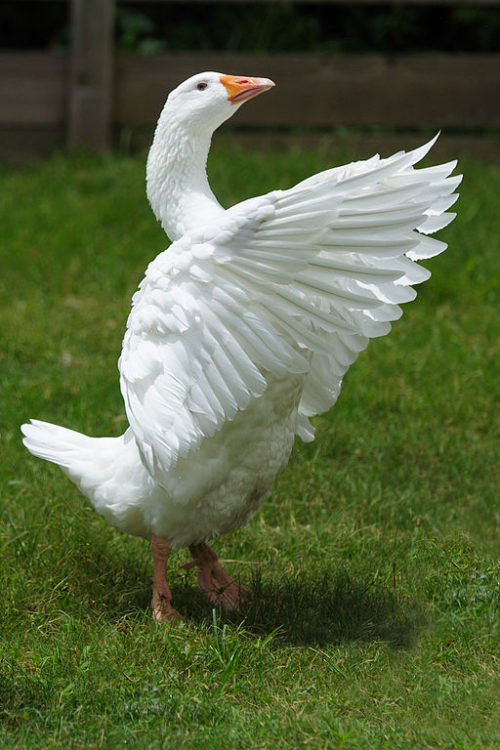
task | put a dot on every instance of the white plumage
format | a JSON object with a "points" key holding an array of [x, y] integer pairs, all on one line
{"points": [[242, 330]]}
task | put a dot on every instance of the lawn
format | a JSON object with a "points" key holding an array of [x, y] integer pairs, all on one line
{"points": [[373, 565]]}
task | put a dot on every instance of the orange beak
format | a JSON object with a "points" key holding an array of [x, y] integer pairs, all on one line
{"points": [[240, 89]]}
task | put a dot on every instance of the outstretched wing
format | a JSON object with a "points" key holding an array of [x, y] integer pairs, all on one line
{"points": [[293, 281]]}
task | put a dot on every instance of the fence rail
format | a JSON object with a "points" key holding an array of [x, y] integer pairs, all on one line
{"points": [[86, 96]]}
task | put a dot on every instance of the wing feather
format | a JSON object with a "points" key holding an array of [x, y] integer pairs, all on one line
{"points": [[294, 281]]}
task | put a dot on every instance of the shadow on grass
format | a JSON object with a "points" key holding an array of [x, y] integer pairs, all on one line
{"points": [[316, 610], [319, 611]]}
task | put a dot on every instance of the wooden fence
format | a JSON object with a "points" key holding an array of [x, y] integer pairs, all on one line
{"points": [[90, 94]]}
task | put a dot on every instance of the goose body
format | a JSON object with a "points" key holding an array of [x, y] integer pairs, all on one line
{"points": [[242, 330]]}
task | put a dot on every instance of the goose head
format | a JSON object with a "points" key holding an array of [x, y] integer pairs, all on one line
{"points": [[177, 184], [207, 99]]}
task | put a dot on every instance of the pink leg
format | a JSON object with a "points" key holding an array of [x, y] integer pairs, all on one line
{"points": [[215, 582], [162, 609]]}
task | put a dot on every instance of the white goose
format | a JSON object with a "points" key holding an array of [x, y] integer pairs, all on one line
{"points": [[242, 330]]}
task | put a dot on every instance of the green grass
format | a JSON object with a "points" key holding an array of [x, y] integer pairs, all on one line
{"points": [[374, 564]]}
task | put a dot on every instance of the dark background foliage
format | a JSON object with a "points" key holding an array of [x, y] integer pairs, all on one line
{"points": [[259, 27]]}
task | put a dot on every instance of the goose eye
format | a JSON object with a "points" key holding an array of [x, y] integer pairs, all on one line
{"points": [[202, 85]]}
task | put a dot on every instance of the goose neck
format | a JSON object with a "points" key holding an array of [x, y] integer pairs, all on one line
{"points": [[177, 183]]}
